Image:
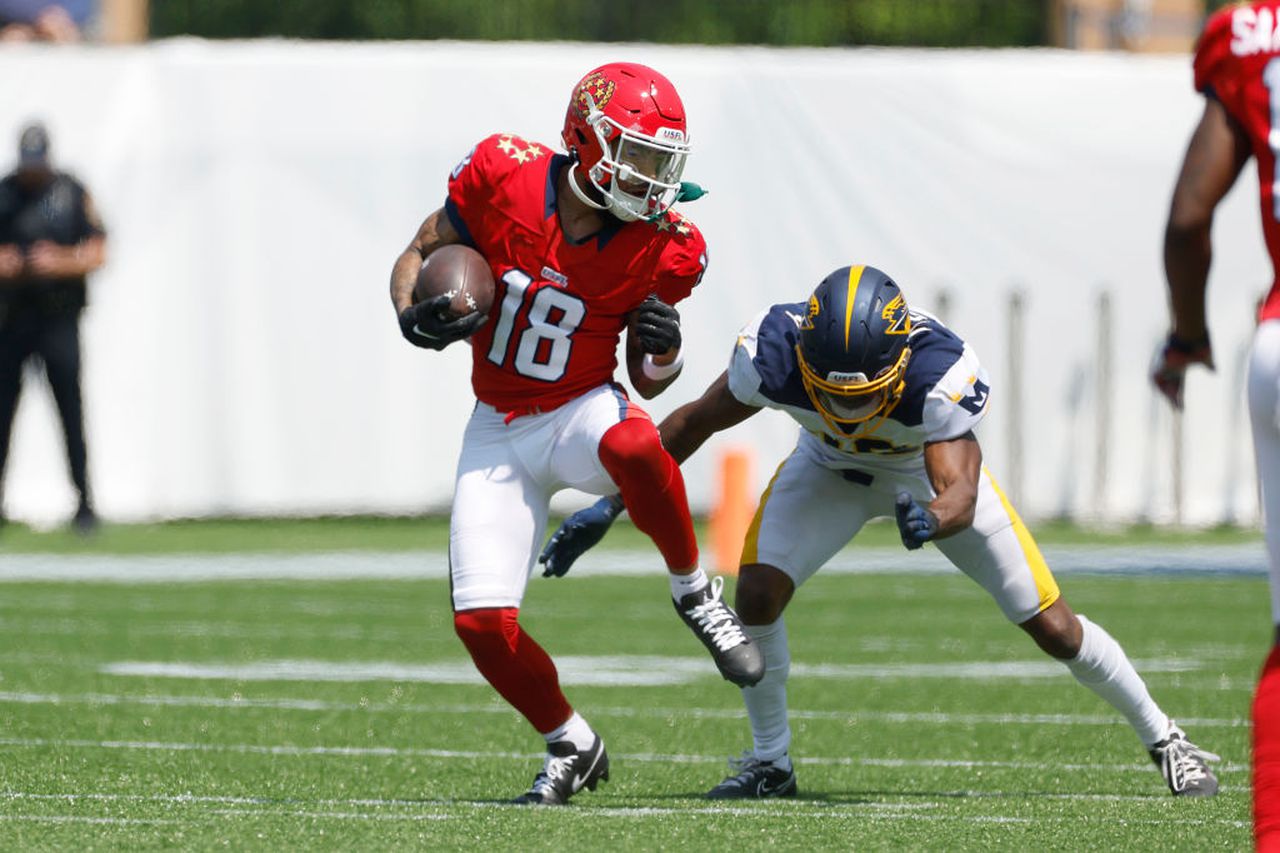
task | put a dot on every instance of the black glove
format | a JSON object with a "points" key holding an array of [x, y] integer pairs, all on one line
{"points": [[429, 325], [916, 523], [657, 326], [577, 535]]}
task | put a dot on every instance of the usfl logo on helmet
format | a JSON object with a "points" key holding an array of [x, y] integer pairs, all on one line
{"points": [[598, 87]]}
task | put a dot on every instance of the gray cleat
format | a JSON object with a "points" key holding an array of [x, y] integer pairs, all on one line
{"points": [[735, 654], [1184, 765]]}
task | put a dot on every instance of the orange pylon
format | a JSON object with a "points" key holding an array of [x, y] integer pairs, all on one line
{"points": [[734, 508]]}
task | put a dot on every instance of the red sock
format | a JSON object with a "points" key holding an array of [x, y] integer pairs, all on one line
{"points": [[514, 664], [1266, 756], [652, 488]]}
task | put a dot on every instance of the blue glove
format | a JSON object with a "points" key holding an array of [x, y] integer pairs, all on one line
{"points": [[916, 523], [577, 535]]}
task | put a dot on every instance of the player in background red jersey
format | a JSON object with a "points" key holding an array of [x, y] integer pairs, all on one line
{"points": [[1237, 68], [581, 247]]}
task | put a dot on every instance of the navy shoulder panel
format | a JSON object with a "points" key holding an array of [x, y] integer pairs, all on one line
{"points": [[775, 357], [934, 348]]}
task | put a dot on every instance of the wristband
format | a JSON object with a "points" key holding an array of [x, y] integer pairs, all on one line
{"points": [[1187, 347], [659, 372]]}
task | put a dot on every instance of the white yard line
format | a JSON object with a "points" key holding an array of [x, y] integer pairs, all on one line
{"points": [[1246, 559], [863, 813], [288, 704], [370, 816], [431, 802], [795, 809], [602, 670], [43, 626], [380, 802], [70, 818], [179, 799], [392, 751]]}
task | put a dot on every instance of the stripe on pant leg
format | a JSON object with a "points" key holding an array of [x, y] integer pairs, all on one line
{"points": [[1046, 586], [751, 548]]}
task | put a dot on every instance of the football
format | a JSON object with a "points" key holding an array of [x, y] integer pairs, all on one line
{"points": [[462, 273]]}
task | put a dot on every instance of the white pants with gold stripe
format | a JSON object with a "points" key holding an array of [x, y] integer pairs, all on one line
{"points": [[810, 511]]}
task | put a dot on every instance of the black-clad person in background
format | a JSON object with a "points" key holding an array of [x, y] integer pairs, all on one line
{"points": [[50, 239]]}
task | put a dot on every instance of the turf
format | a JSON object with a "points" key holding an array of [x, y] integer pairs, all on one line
{"points": [[404, 533], [890, 756]]}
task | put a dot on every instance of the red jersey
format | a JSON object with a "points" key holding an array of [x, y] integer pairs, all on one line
{"points": [[559, 307], [1238, 62]]}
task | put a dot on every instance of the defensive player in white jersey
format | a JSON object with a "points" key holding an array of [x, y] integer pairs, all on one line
{"points": [[887, 399]]}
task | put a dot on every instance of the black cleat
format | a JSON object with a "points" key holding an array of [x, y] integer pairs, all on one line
{"points": [[755, 780], [565, 772], [85, 521], [1184, 765], [737, 657]]}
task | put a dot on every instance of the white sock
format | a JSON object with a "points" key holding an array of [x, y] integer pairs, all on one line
{"points": [[1103, 667], [576, 731], [767, 700], [682, 585]]}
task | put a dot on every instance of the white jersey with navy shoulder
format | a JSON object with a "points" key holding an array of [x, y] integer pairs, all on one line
{"points": [[945, 397]]}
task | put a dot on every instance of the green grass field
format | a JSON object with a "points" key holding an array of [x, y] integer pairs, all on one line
{"points": [[399, 533], [345, 715]]}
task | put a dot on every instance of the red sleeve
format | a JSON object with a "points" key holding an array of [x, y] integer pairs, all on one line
{"points": [[1212, 62], [684, 262], [473, 184]]}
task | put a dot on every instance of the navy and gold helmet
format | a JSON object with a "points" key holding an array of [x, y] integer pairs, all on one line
{"points": [[853, 349]]}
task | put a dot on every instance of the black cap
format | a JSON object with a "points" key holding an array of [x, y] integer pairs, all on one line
{"points": [[33, 145]]}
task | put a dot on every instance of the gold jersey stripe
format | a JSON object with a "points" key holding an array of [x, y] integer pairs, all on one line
{"points": [[1046, 586]]}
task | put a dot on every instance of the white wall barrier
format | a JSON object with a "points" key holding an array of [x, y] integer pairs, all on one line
{"points": [[242, 357]]}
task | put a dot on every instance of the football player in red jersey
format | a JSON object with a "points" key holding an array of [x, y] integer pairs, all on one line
{"points": [[581, 247], [1237, 68]]}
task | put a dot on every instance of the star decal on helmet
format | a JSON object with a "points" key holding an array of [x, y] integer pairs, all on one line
{"points": [[600, 89], [518, 149]]}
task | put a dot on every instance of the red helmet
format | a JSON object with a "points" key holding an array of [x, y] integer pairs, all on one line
{"points": [[626, 129]]}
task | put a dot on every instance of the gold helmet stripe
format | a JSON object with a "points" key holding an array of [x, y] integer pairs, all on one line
{"points": [[855, 277]]}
